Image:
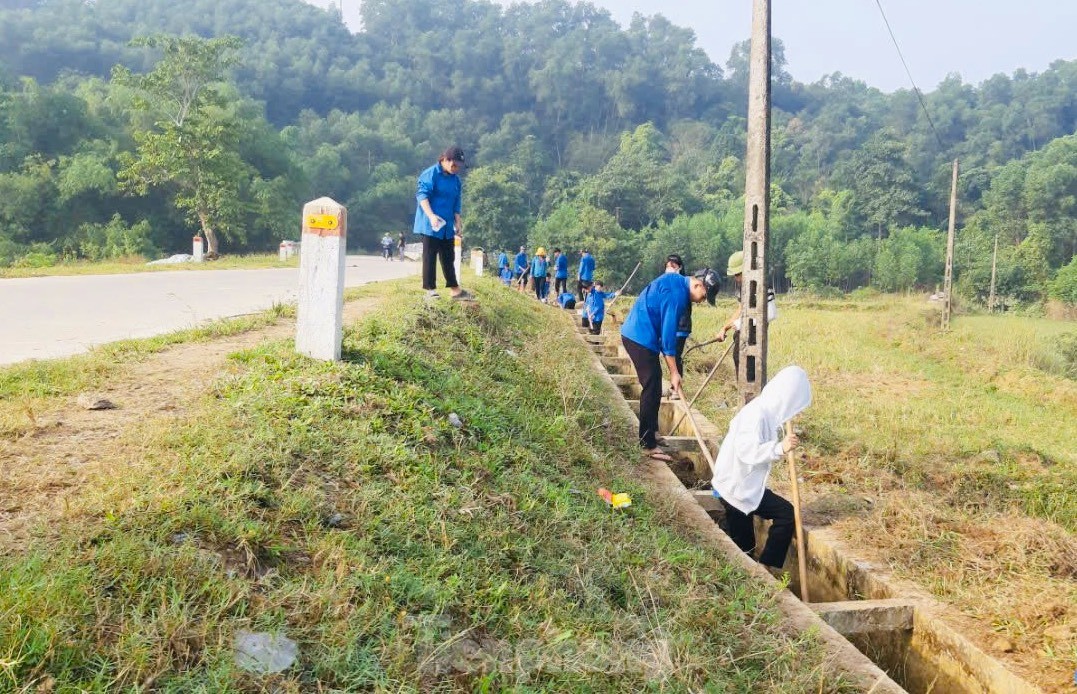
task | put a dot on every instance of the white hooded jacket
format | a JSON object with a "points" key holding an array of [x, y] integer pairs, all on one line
{"points": [[755, 438]]}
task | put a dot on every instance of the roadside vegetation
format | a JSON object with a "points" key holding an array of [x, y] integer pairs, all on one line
{"points": [[949, 456], [340, 504], [129, 264]]}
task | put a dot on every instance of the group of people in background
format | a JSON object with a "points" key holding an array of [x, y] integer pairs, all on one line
{"points": [[534, 274]]}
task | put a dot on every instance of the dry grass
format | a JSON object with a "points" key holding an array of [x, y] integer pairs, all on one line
{"points": [[122, 266], [964, 444]]}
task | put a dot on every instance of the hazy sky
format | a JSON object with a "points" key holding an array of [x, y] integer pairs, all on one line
{"points": [[975, 38]]}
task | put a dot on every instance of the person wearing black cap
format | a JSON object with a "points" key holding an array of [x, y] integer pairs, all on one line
{"points": [[650, 330], [437, 220]]}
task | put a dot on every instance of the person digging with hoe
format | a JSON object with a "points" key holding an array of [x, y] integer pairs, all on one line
{"points": [[437, 220], [756, 440], [650, 330]]}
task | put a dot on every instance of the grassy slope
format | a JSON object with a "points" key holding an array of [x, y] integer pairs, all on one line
{"points": [[914, 419], [466, 558]]}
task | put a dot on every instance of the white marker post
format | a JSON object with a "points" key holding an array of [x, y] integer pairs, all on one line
{"points": [[197, 249], [477, 258], [320, 315]]}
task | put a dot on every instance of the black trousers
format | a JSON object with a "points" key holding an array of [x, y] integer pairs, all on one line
{"points": [[560, 286], [433, 250], [783, 524], [649, 372], [596, 327], [681, 341], [540, 288]]}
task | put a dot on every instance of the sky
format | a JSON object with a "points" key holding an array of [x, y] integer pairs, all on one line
{"points": [[974, 38]]}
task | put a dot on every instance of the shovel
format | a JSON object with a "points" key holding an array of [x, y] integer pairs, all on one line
{"points": [[802, 560], [713, 371]]}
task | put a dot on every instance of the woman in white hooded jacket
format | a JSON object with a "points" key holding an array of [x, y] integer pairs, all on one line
{"points": [[755, 440]]}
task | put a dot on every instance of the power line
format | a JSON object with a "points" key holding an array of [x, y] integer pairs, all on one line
{"points": [[908, 72]]}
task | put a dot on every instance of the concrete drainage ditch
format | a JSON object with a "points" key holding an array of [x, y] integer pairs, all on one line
{"points": [[884, 635]]}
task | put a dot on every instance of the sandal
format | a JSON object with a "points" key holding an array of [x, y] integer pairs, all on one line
{"points": [[658, 454], [464, 295]]}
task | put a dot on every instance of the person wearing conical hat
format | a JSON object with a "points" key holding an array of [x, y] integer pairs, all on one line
{"points": [[735, 269]]}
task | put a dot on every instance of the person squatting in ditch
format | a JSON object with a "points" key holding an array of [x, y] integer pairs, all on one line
{"points": [[756, 439]]}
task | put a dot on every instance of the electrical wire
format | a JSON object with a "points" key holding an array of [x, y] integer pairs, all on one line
{"points": [[919, 94]]}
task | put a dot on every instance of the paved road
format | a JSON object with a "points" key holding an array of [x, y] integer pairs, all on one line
{"points": [[46, 317]]}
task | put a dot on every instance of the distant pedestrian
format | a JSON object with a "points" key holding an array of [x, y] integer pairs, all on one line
{"points": [[437, 220], [400, 243], [387, 246]]}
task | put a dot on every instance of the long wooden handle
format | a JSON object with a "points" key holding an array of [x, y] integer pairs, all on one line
{"points": [[699, 437], [691, 402], [623, 286], [802, 559]]}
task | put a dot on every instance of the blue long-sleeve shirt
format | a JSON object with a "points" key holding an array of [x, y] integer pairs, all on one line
{"points": [[539, 265], [502, 260], [653, 320], [587, 267], [561, 268], [596, 305], [444, 191], [521, 262]]}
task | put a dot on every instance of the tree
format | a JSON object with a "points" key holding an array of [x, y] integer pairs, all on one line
{"points": [[496, 214], [193, 145]]}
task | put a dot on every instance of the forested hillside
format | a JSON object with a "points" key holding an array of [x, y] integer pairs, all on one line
{"points": [[578, 131]]}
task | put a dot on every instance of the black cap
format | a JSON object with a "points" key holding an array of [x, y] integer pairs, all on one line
{"points": [[676, 260], [711, 281], [453, 153]]}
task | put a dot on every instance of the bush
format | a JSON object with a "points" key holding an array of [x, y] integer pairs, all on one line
{"points": [[115, 240], [39, 255], [1064, 286]]}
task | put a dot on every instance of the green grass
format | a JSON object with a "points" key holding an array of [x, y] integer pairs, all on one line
{"points": [[477, 558], [138, 264]]}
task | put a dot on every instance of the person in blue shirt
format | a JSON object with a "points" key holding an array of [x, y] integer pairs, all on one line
{"points": [[567, 300], [586, 273], [506, 276], [521, 267], [502, 261], [539, 269], [437, 220], [650, 331], [560, 272], [596, 307]]}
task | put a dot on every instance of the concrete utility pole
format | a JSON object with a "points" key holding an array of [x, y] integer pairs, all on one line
{"points": [[949, 279], [994, 265], [753, 312]]}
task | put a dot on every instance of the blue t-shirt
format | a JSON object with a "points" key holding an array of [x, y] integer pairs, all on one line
{"points": [[587, 268], [506, 274], [652, 322], [565, 298], [539, 266], [521, 262], [561, 268], [444, 191], [596, 304]]}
